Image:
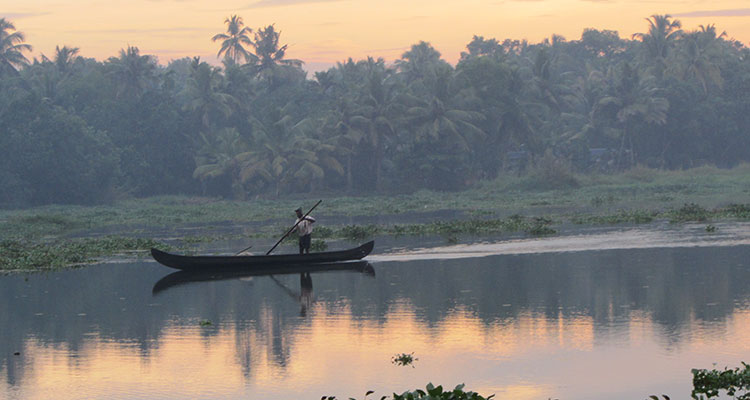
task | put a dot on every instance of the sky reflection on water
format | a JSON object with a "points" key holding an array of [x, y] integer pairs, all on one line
{"points": [[595, 324]]}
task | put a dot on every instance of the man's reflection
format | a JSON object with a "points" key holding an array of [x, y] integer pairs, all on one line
{"points": [[306, 293]]}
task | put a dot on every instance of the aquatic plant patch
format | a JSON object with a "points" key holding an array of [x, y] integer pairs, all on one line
{"points": [[735, 382], [690, 212], [404, 359], [18, 255], [431, 392]]}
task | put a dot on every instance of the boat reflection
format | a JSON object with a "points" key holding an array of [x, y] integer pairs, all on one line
{"points": [[182, 278]]}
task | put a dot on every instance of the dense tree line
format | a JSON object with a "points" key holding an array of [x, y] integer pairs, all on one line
{"points": [[77, 130]]}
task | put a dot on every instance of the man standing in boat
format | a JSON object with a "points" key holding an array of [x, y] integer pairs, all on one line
{"points": [[304, 231]]}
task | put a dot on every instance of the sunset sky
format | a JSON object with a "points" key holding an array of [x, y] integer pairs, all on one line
{"points": [[322, 32]]}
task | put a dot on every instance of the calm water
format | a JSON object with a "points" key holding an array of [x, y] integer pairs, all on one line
{"points": [[521, 319]]}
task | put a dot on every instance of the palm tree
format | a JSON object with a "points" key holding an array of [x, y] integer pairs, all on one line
{"points": [[45, 75], [494, 86], [216, 157], [263, 165], [65, 57], [419, 62], [343, 134], [232, 45], [11, 48], [238, 81], [699, 51], [344, 79], [271, 64], [662, 34], [376, 109], [204, 94], [438, 117], [543, 79], [604, 43], [635, 98], [284, 154], [519, 118], [346, 122], [267, 49], [316, 156], [479, 47], [584, 122], [134, 73], [445, 133]]}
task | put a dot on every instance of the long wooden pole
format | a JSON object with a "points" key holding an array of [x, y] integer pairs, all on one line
{"points": [[292, 228], [246, 248]]}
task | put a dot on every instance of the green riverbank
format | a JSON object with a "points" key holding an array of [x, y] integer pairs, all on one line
{"points": [[43, 238]]}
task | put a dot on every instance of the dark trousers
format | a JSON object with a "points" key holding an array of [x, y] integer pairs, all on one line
{"points": [[304, 244]]}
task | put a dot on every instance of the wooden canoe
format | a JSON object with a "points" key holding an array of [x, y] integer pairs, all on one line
{"points": [[202, 263]]}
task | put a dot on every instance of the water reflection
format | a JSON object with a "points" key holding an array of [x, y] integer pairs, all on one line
{"points": [[180, 278], [633, 322], [305, 295]]}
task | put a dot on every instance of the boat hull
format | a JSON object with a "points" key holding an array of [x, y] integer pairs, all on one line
{"points": [[197, 263]]}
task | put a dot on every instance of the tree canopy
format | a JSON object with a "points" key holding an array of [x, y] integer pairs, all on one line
{"points": [[78, 130]]}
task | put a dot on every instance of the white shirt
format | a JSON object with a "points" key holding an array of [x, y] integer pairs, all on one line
{"points": [[305, 227]]}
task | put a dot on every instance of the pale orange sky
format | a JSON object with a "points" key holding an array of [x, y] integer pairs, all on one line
{"points": [[322, 32]]}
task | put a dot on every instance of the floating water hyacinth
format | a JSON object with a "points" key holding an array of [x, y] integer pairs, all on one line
{"points": [[404, 359]]}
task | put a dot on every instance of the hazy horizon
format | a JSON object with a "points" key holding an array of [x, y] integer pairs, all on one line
{"points": [[323, 32]]}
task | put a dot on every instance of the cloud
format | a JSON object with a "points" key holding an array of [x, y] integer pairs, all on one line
{"points": [[281, 3], [129, 31], [737, 12], [12, 16], [388, 50]]}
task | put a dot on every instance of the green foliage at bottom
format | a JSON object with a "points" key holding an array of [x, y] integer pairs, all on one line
{"points": [[711, 382], [431, 392], [438, 393]]}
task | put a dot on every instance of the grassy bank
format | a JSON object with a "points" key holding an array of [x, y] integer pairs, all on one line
{"points": [[532, 204]]}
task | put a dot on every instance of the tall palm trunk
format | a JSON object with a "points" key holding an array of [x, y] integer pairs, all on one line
{"points": [[622, 147], [379, 149], [349, 179]]}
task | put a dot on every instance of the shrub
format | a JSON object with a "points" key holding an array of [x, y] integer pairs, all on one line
{"points": [[642, 173], [549, 173], [739, 210], [690, 212]]}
